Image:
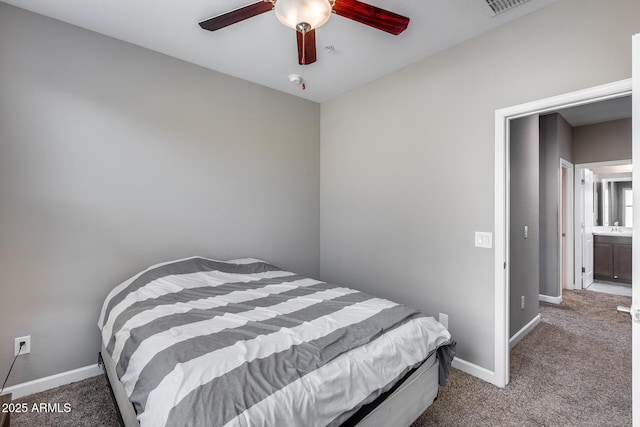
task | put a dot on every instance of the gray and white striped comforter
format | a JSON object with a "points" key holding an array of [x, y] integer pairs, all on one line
{"points": [[199, 342]]}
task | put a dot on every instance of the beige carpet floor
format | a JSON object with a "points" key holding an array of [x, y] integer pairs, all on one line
{"points": [[573, 369]]}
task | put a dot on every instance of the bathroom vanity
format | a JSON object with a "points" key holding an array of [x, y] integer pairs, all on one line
{"points": [[612, 257]]}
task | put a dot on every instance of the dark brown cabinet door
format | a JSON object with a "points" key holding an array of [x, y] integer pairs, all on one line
{"points": [[622, 263], [603, 261]]}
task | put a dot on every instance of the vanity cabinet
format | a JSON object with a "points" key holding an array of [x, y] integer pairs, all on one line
{"points": [[612, 258]]}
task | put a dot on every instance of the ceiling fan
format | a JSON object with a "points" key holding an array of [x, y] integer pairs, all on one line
{"points": [[305, 16]]}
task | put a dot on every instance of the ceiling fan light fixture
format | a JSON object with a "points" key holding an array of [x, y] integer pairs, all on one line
{"points": [[291, 13]]}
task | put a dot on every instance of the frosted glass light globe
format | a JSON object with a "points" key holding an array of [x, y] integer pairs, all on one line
{"points": [[293, 12]]}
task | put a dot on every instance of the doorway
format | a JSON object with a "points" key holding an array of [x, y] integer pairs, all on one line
{"points": [[596, 215], [502, 223]]}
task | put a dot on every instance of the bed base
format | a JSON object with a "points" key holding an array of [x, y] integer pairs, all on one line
{"points": [[400, 407], [126, 413]]}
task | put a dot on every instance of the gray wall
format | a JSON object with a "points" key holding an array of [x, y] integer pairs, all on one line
{"points": [[524, 211], [564, 132], [555, 143], [602, 142], [407, 161], [113, 157]]}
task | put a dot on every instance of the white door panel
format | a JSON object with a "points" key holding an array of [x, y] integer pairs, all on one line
{"points": [[587, 236], [635, 299]]}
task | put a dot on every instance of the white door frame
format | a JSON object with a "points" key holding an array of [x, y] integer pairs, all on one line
{"points": [[579, 209], [501, 224], [635, 263], [566, 193]]}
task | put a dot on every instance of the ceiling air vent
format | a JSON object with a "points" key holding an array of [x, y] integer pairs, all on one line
{"points": [[499, 6]]}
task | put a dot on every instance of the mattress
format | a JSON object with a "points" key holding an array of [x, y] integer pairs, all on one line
{"points": [[399, 407], [206, 342]]}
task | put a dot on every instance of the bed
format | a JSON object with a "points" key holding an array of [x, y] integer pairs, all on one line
{"points": [[202, 342]]}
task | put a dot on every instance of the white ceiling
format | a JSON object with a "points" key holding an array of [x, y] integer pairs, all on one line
{"points": [[263, 51], [625, 169]]}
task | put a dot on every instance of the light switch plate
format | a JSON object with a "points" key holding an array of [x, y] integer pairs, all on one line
{"points": [[484, 239]]}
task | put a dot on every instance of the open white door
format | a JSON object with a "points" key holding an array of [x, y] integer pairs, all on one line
{"points": [[635, 298], [587, 229]]}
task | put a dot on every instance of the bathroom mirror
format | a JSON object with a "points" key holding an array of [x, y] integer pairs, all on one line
{"points": [[613, 200]]}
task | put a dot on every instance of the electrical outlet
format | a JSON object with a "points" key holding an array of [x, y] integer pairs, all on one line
{"points": [[522, 302], [444, 319], [26, 348]]}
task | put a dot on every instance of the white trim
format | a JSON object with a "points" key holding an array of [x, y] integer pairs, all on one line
{"points": [[567, 194], [552, 300], [53, 381], [518, 336], [502, 118], [635, 260], [501, 267], [472, 369]]}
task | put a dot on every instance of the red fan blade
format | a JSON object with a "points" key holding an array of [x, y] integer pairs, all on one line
{"points": [[309, 55], [237, 15], [371, 16]]}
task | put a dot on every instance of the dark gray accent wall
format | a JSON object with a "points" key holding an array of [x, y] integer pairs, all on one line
{"points": [[602, 142], [565, 139], [113, 158], [524, 212], [555, 143]]}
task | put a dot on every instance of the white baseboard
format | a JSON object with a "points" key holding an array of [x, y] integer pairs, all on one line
{"points": [[53, 381], [473, 369], [517, 337], [64, 378], [552, 300]]}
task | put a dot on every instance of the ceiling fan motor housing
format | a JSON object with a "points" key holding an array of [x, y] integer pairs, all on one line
{"points": [[313, 13]]}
